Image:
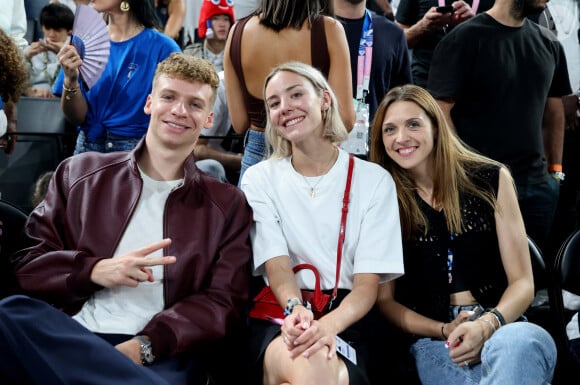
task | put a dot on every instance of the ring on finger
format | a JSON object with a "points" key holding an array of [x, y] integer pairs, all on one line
{"points": [[465, 363]]}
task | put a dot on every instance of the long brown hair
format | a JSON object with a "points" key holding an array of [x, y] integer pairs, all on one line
{"points": [[454, 165]]}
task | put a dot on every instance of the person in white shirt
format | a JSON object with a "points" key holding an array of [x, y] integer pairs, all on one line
{"points": [[297, 199]]}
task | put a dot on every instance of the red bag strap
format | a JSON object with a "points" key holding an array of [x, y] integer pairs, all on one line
{"points": [[341, 234], [308, 266]]}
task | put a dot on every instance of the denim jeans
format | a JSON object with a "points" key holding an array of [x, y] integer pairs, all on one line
{"points": [[538, 204], [214, 168], [519, 353], [254, 151], [110, 143]]}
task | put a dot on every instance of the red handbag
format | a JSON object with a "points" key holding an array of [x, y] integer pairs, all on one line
{"points": [[265, 305]]}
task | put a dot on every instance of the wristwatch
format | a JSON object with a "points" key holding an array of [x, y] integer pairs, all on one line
{"points": [[558, 175], [147, 356]]}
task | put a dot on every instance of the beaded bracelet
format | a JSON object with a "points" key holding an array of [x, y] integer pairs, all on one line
{"points": [[293, 302], [70, 91]]}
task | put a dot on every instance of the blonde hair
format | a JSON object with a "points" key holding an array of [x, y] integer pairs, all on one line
{"points": [[192, 69], [454, 165], [334, 129]]}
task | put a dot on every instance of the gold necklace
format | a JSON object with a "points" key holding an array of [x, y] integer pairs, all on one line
{"points": [[327, 168]]}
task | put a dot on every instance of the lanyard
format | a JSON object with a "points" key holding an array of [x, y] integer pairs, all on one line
{"points": [[474, 5], [365, 55], [450, 260]]}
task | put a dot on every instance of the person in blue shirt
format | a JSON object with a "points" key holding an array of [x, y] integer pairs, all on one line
{"points": [[110, 114]]}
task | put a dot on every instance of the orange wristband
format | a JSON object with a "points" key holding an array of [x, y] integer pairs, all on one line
{"points": [[555, 167]]}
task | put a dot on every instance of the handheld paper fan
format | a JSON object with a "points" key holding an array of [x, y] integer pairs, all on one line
{"points": [[90, 37]]}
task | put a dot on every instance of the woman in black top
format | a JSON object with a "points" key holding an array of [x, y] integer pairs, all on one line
{"points": [[468, 273]]}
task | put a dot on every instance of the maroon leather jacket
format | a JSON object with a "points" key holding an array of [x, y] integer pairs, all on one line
{"points": [[86, 210]]}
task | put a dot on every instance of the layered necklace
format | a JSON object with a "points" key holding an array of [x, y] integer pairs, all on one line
{"points": [[326, 169]]}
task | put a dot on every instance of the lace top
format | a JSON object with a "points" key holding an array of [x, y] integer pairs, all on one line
{"points": [[477, 265]]}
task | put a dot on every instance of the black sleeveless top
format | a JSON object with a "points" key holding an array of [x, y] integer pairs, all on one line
{"points": [[318, 53], [477, 265]]}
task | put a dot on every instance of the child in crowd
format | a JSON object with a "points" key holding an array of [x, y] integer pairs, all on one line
{"points": [[215, 21], [43, 66]]}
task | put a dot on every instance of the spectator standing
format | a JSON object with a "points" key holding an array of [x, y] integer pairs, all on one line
{"points": [[172, 15], [500, 80], [301, 30], [146, 310], [390, 65], [215, 21], [424, 27], [468, 273], [33, 28], [56, 21], [110, 115]]}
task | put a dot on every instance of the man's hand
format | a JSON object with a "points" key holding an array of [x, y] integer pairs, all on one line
{"points": [[132, 349], [132, 268]]}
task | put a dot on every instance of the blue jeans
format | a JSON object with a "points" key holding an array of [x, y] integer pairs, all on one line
{"points": [[538, 204], [110, 143], [519, 353], [254, 151], [214, 168]]}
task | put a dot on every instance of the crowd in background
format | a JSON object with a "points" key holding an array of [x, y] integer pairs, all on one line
{"points": [[471, 111]]}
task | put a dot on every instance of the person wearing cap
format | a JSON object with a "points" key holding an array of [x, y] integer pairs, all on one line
{"points": [[215, 21]]}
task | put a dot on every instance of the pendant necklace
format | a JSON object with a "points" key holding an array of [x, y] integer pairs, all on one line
{"points": [[313, 188], [327, 168]]}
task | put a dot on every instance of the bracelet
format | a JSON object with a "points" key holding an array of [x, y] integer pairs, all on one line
{"points": [[555, 167], [499, 316], [442, 332], [292, 302], [493, 329], [70, 90]]}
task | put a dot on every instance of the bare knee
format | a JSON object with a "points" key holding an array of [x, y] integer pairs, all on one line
{"points": [[280, 368]]}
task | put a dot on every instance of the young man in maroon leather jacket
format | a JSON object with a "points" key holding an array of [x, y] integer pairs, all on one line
{"points": [[140, 248]]}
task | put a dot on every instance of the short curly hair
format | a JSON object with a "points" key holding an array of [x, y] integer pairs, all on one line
{"points": [[13, 74], [192, 69]]}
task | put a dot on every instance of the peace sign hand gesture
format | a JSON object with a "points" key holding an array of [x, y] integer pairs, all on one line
{"points": [[131, 268]]}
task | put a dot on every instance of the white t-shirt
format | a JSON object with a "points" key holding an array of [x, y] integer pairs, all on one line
{"points": [[124, 309], [287, 221]]}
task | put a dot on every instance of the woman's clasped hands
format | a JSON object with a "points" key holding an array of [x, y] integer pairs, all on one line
{"points": [[303, 335], [466, 340]]}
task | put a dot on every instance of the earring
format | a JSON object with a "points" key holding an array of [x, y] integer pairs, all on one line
{"points": [[125, 7], [324, 114]]}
